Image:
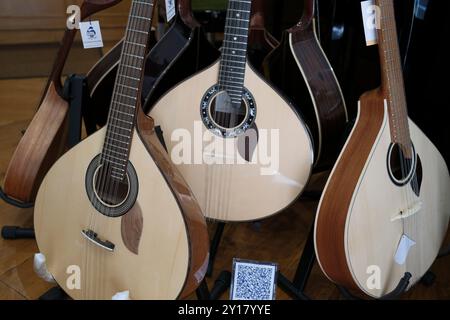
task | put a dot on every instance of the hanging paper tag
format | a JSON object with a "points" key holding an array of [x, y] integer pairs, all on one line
{"points": [[91, 34], [371, 21], [170, 9], [403, 249]]}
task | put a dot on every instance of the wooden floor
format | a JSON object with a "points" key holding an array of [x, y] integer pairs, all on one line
{"points": [[279, 239]]}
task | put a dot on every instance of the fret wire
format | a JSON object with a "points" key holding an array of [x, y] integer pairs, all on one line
{"points": [[394, 76], [114, 157], [125, 86], [234, 42], [115, 146], [119, 153], [121, 135], [132, 57], [234, 51]]}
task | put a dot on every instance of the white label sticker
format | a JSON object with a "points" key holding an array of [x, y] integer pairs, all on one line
{"points": [[170, 9], [371, 21], [91, 34]]}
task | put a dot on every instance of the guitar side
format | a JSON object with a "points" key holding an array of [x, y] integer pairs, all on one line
{"points": [[301, 70]]}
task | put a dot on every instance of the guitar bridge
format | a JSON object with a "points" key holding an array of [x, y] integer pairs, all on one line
{"points": [[403, 214], [93, 237]]}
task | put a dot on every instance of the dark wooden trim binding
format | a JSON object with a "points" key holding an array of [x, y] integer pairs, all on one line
{"points": [[196, 229], [336, 199]]}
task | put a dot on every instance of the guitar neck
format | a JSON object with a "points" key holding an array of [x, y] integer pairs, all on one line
{"points": [[126, 93], [392, 74], [234, 50]]}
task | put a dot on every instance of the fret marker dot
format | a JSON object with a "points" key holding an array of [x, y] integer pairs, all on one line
{"points": [[235, 38], [234, 52]]}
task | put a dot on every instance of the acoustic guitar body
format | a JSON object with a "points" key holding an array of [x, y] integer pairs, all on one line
{"points": [[237, 191], [153, 256], [364, 212]]}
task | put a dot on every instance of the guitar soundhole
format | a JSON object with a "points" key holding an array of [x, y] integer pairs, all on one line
{"points": [[111, 195], [225, 117], [225, 113], [110, 190], [401, 164]]}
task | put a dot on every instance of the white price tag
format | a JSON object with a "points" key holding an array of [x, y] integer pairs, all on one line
{"points": [[371, 21], [91, 34], [170, 9]]}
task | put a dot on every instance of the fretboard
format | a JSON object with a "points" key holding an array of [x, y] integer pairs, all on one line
{"points": [[122, 112], [392, 74], [234, 49]]}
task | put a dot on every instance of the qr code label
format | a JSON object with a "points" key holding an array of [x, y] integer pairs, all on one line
{"points": [[253, 280]]}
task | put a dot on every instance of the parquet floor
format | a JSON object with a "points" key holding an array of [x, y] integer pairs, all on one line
{"points": [[279, 239]]}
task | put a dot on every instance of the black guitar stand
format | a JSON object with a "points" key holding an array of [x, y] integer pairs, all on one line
{"points": [[214, 246], [394, 295], [76, 94], [296, 288], [221, 285]]}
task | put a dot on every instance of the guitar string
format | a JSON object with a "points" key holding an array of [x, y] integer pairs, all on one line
{"points": [[216, 167], [223, 76], [143, 10], [226, 64], [409, 223], [413, 221], [113, 121], [394, 106], [243, 24], [128, 62], [233, 25]]}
